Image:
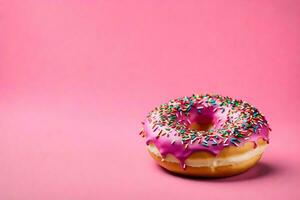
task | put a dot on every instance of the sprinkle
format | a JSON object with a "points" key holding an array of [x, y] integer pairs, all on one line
{"points": [[189, 121], [226, 139], [204, 144], [214, 142], [193, 140], [141, 132], [235, 143], [159, 133], [238, 123], [186, 146]]}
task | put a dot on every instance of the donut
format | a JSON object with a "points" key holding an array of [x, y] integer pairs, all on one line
{"points": [[206, 135]]}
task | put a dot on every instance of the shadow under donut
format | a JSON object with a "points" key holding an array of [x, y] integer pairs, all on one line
{"points": [[260, 170]]}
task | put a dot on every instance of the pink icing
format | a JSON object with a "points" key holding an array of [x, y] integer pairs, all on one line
{"points": [[171, 143]]}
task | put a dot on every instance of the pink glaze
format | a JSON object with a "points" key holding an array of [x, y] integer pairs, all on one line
{"points": [[172, 143]]}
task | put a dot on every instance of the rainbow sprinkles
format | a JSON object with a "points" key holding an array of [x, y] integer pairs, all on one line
{"points": [[203, 123]]}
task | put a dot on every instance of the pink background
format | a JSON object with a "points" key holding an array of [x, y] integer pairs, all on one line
{"points": [[77, 77]]}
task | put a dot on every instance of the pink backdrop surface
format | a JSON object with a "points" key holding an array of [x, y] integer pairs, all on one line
{"points": [[77, 77]]}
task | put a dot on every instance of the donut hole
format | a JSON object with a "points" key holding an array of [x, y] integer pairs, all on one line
{"points": [[205, 119], [202, 123], [202, 120]]}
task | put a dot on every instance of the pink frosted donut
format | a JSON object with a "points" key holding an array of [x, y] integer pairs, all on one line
{"points": [[206, 135]]}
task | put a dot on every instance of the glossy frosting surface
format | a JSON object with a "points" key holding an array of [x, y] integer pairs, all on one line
{"points": [[203, 123]]}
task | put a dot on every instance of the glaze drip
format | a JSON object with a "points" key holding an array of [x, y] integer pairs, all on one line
{"points": [[203, 123]]}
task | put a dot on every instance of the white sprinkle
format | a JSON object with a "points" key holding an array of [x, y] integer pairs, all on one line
{"points": [[226, 139], [189, 121], [186, 146], [235, 144], [193, 140]]}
